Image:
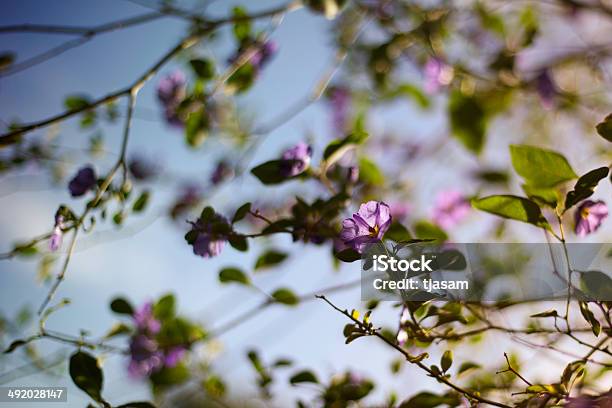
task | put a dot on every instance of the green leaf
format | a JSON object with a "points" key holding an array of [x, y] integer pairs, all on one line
{"points": [[426, 230], [512, 207], [596, 285], [227, 275], [165, 307], [590, 318], [348, 255], [241, 212], [203, 68], [446, 361], [196, 128], [540, 167], [238, 242], [270, 172], [87, 375], [468, 121], [585, 186], [548, 313], [121, 306], [242, 26], [170, 375], [336, 148], [303, 377], [118, 329], [542, 195], [572, 372], [285, 296], [369, 172], [605, 128], [269, 259], [412, 92], [214, 386], [74, 102], [141, 202], [429, 400], [398, 233], [468, 365]]}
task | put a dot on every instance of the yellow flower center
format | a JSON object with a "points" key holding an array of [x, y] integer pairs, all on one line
{"points": [[374, 231], [584, 213]]}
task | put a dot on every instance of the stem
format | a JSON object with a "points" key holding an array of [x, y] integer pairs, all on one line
{"points": [[416, 362]]}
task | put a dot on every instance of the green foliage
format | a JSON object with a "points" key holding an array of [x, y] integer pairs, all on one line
{"points": [[446, 361], [242, 26], [121, 306], [270, 258], [241, 212], [370, 173], [141, 202], [605, 128], [512, 207], [196, 127], [87, 375], [426, 230], [305, 376], [430, 400], [338, 147], [6, 60], [165, 307], [204, 68], [270, 172], [227, 275], [590, 318], [540, 167], [285, 296], [596, 285], [468, 120], [348, 255], [585, 186]]}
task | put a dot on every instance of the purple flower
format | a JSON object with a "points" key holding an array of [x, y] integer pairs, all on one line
{"points": [[546, 89], [451, 207], [83, 181], [296, 159], [171, 91], [145, 356], [339, 100], [174, 356], [221, 172], [144, 319], [209, 236], [437, 74], [399, 211], [366, 226], [55, 241], [353, 174], [142, 169], [589, 217], [264, 54]]}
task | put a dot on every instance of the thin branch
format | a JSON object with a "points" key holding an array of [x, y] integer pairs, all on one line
{"points": [[512, 370], [15, 135], [414, 360]]}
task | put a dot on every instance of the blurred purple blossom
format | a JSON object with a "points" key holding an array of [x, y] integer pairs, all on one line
{"points": [[589, 217], [399, 210], [144, 319], [339, 98], [145, 356], [264, 54], [366, 226], [209, 242], [142, 169], [352, 174], [437, 75], [546, 89], [296, 159], [55, 241], [450, 208], [171, 91], [83, 181], [174, 356], [221, 172]]}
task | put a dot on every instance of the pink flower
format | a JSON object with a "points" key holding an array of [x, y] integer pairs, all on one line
{"points": [[55, 241], [437, 75], [589, 217], [296, 159], [366, 226], [450, 208]]}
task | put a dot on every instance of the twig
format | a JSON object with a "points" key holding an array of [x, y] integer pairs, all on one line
{"points": [[512, 370], [414, 360]]}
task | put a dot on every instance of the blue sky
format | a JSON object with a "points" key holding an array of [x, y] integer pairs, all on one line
{"points": [[153, 258]]}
